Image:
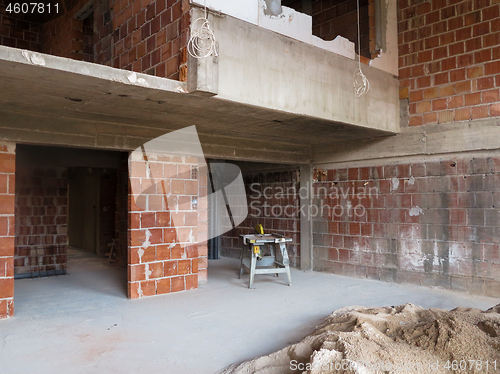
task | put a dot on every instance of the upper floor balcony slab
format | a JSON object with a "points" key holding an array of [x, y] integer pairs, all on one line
{"points": [[265, 97]]}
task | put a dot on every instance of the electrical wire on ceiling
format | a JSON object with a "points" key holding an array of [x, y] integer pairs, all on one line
{"points": [[202, 42], [361, 82]]}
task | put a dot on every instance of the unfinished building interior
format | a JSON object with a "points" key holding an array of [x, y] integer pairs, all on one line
{"points": [[68, 197], [399, 184]]}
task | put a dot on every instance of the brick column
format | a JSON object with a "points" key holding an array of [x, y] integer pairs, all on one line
{"points": [[202, 225], [7, 197], [163, 226]]}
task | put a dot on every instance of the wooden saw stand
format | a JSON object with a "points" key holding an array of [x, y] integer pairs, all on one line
{"points": [[253, 258]]}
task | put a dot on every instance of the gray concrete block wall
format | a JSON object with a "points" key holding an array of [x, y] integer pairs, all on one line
{"points": [[433, 223]]}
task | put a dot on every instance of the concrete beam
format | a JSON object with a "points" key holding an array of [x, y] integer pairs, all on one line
{"points": [[442, 139], [30, 129], [203, 73], [54, 100]]}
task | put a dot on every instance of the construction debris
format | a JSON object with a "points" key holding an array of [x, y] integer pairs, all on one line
{"points": [[400, 339]]}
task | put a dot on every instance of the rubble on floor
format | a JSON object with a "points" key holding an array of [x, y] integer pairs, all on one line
{"points": [[397, 339]]}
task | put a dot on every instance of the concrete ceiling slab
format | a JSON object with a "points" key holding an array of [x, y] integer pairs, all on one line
{"points": [[59, 97]]}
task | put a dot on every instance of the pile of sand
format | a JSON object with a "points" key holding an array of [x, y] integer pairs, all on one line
{"points": [[402, 339]]}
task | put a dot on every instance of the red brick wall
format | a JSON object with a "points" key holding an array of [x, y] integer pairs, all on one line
{"points": [[17, 31], [163, 258], [88, 40], [41, 221], [281, 217], [144, 36], [433, 223], [449, 59], [151, 37], [7, 196], [202, 225], [64, 36], [333, 18]]}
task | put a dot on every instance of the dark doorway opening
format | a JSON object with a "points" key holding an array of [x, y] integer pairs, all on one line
{"points": [[92, 208], [68, 197]]}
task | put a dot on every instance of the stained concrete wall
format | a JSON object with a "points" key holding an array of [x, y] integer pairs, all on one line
{"points": [[260, 67], [433, 223]]}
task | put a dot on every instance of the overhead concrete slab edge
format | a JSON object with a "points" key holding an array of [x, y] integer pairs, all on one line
{"points": [[260, 67], [91, 70], [48, 100]]}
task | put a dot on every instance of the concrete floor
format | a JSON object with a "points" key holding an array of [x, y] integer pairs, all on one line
{"points": [[83, 323]]}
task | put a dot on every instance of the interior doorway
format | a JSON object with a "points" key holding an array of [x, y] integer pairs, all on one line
{"points": [[92, 209], [69, 197], [83, 223]]}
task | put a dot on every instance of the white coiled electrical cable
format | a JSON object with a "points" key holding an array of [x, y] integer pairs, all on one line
{"points": [[202, 42], [361, 82]]}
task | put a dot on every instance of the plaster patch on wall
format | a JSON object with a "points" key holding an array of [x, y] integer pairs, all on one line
{"points": [[273, 8], [133, 78], [416, 211], [146, 243], [147, 272], [192, 239], [413, 248], [411, 181], [246, 10], [34, 58], [11, 147], [394, 184], [339, 45], [152, 156], [413, 262], [140, 253], [473, 237], [356, 247]]}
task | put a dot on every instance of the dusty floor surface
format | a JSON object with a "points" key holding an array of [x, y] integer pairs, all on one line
{"points": [[83, 323]]}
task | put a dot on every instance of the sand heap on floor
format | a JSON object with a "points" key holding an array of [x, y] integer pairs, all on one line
{"points": [[401, 339]]}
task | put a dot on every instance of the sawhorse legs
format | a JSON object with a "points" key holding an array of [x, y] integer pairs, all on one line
{"points": [[263, 266]]}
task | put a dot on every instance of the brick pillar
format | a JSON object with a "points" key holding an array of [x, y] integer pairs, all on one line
{"points": [[7, 197], [202, 225], [163, 226]]}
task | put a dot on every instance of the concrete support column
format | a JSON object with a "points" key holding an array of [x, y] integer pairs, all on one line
{"points": [[7, 234], [202, 73], [306, 247]]}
